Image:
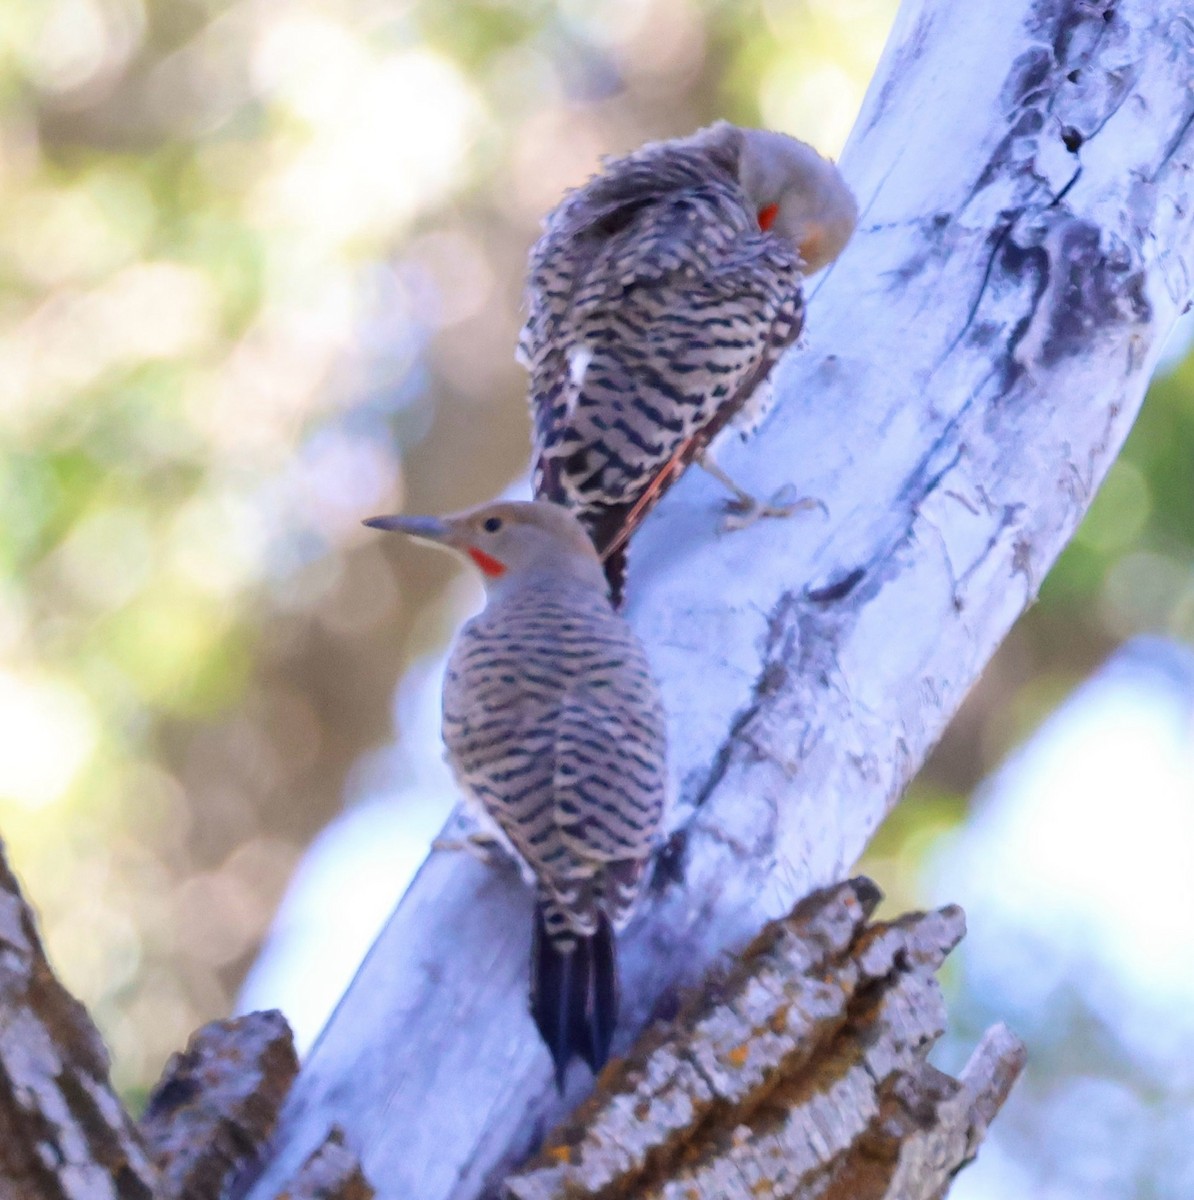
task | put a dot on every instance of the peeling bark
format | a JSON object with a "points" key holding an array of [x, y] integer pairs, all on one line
{"points": [[973, 363], [800, 1075], [63, 1133], [211, 1114], [330, 1173]]}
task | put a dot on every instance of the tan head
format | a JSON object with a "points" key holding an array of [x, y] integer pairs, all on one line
{"points": [[510, 540], [798, 195]]}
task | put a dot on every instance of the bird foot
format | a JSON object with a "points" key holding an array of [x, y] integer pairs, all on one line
{"points": [[484, 847], [743, 510], [488, 850]]}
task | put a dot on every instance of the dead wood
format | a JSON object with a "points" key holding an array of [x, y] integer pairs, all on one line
{"points": [[801, 1074]]}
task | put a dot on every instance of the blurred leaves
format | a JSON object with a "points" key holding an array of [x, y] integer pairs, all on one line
{"points": [[260, 271]]}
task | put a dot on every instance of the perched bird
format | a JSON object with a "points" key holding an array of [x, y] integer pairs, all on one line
{"points": [[659, 297], [553, 723]]}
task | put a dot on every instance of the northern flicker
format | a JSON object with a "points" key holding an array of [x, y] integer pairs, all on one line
{"points": [[553, 723], [659, 297]]}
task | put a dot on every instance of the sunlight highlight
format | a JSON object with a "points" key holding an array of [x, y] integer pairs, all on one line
{"points": [[49, 734]]}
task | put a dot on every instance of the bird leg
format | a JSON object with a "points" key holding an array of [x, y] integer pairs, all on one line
{"points": [[484, 847], [744, 509], [490, 849]]}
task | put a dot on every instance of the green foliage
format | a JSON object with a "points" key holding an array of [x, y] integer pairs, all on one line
{"points": [[259, 276]]}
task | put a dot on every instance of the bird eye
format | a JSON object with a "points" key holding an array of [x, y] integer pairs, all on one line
{"points": [[492, 524], [767, 216]]}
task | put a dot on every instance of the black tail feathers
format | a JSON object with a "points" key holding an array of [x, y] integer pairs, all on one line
{"points": [[574, 995], [614, 566], [607, 529]]}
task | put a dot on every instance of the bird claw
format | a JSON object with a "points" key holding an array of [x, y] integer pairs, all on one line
{"points": [[744, 510], [484, 847], [488, 850]]}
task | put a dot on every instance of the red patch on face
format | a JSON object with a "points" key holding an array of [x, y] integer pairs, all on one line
{"points": [[767, 216], [488, 564]]}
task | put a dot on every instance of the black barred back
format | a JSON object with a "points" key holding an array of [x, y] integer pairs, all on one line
{"points": [[656, 307], [553, 723]]}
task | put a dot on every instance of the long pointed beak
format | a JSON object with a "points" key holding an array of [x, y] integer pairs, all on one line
{"points": [[430, 529]]}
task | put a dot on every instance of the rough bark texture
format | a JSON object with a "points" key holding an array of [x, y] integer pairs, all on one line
{"points": [[63, 1133], [217, 1103], [800, 1075], [330, 1173], [973, 363]]}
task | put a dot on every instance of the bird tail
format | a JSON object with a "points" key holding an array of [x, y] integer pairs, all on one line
{"points": [[614, 565], [574, 993], [610, 530], [614, 525]]}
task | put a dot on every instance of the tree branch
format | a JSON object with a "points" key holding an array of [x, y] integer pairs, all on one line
{"points": [[973, 363], [331, 1172], [214, 1108], [64, 1135], [803, 1074], [209, 1120]]}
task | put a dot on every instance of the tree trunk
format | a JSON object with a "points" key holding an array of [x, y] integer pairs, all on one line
{"points": [[64, 1134], [972, 366]]}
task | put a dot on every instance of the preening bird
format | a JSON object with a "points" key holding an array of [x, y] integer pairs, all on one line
{"points": [[553, 723], [659, 297]]}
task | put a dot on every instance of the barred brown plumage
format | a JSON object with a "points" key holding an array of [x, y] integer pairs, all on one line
{"points": [[659, 297], [554, 725]]}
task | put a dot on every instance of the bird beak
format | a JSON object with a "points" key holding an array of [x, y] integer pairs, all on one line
{"points": [[818, 246], [429, 529]]}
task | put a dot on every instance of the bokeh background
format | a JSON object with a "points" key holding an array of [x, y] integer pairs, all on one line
{"points": [[260, 267]]}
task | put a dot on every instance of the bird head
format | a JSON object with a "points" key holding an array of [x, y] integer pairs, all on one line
{"points": [[509, 539], [798, 195]]}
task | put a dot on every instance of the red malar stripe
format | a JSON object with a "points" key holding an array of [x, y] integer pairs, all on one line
{"points": [[486, 562]]}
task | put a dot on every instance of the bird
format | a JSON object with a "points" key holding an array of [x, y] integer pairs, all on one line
{"points": [[658, 298], [554, 727]]}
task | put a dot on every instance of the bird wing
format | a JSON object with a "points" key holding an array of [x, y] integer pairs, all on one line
{"points": [[610, 777], [609, 785], [499, 701], [553, 723], [646, 334]]}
